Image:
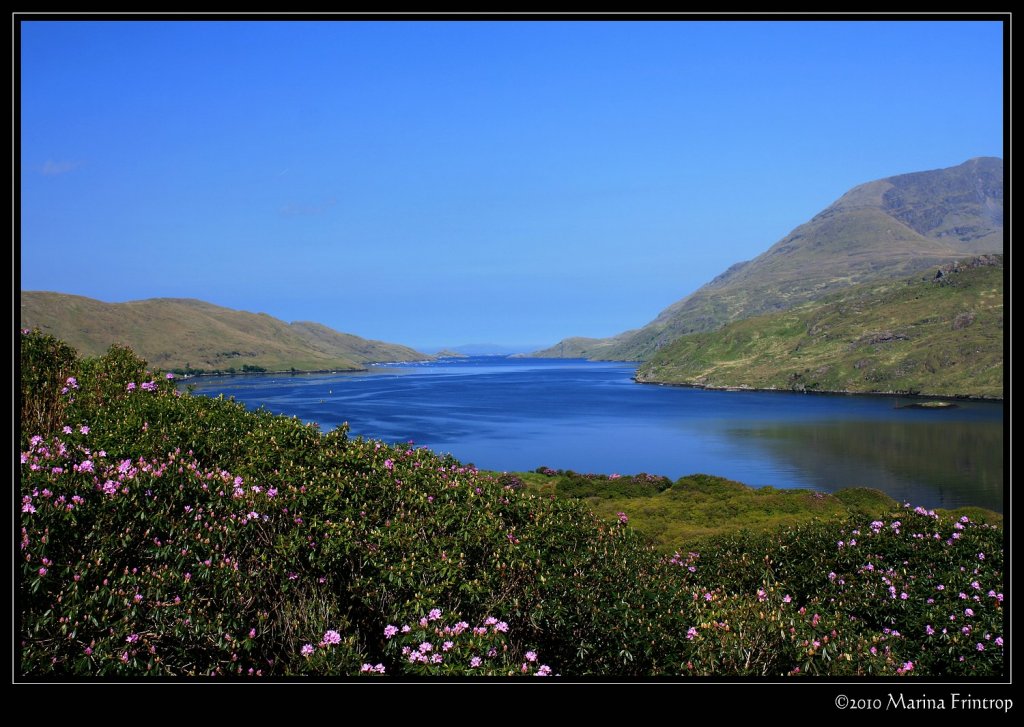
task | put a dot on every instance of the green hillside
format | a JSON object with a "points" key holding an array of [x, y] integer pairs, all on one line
{"points": [[926, 335], [888, 228], [179, 333], [580, 347]]}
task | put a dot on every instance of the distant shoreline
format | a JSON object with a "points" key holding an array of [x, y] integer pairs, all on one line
{"points": [[709, 387]]}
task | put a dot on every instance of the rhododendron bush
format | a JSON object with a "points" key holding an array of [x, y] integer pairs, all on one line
{"points": [[169, 534]]}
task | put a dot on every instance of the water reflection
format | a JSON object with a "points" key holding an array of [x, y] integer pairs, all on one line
{"points": [[943, 463]]}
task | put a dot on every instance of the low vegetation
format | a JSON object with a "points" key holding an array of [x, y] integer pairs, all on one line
{"points": [[928, 335], [168, 534]]}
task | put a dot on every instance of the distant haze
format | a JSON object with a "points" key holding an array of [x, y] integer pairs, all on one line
{"points": [[435, 183], [483, 349]]}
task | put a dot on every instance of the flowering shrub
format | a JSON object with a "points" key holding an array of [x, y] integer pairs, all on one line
{"points": [[167, 534], [862, 598], [428, 646], [574, 484]]}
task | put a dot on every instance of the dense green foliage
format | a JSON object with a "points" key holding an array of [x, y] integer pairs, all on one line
{"points": [[169, 534], [686, 513], [884, 229], [920, 336]]}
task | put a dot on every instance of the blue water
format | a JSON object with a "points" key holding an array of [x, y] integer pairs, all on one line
{"points": [[519, 414]]}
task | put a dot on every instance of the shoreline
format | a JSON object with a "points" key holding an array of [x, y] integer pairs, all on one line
{"points": [[829, 392], [296, 372], [709, 387]]}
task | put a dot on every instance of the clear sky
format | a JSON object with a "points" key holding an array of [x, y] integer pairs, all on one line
{"points": [[439, 183]]}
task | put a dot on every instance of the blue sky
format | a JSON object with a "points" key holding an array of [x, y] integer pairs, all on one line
{"points": [[439, 183]]}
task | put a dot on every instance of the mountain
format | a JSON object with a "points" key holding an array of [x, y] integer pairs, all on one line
{"points": [[181, 333], [888, 228], [940, 334]]}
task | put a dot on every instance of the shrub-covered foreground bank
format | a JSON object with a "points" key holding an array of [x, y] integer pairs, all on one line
{"points": [[169, 534]]}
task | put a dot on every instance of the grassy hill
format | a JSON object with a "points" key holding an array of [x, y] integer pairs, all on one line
{"points": [[883, 229], [581, 347], [924, 335], [177, 333]]}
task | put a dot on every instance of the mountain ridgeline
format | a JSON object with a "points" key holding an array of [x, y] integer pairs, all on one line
{"points": [[938, 334], [191, 335], [884, 229]]}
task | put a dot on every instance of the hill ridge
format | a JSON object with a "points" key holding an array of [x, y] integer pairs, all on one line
{"points": [[194, 335]]}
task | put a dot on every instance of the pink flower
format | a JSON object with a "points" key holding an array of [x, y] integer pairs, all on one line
{"points": [[332, 637], [531, 656], [544, 670], [434, 615], [691, 633], [307, 650], [622, 517], [475, 662], [42, 571], [131, 386], [390, 631]]}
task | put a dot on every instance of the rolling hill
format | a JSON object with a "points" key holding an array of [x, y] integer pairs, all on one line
{"points": [[179, 333], [888, 228], [940, 334]]}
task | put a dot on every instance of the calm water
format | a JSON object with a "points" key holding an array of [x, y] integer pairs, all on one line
{"points": [[519, 414]]}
